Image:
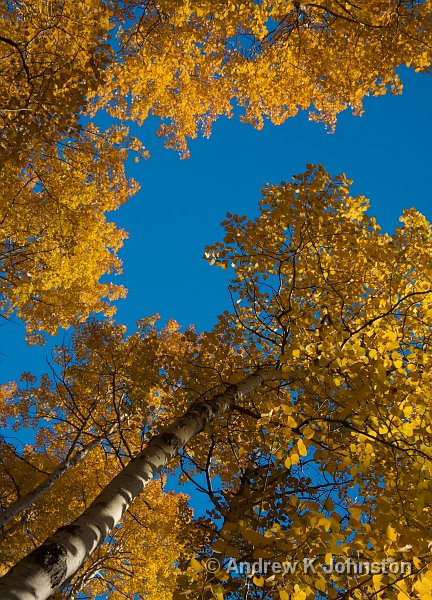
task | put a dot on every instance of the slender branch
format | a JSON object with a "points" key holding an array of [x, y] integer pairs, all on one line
{"points": [[46, 569], [27, 500]]}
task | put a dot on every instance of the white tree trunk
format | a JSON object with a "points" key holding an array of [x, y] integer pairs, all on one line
{"points": [[46, 569]]}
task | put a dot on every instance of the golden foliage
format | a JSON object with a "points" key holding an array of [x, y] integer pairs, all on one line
{"points": [[329, 465], [109, 389], [57, 178], [185, 63], [189, 63], [323, 465]]}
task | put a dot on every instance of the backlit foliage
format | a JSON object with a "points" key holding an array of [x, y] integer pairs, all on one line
{"points": [[336, 462], [331, 462], [324, 464], [186, 63], [189, 62], [57, 178], [108, 389]]}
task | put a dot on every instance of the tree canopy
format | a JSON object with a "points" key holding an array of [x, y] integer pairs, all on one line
{"points": [[63, 65], [321, 460], [304, 415]]}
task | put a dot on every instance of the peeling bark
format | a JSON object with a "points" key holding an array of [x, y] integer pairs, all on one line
{"points": [[46, 569]]}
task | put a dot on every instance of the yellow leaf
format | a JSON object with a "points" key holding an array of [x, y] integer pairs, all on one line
{"points": [[301, 448], [196, 565], [218, 592], [377, 581], [308, 432], [355, 511], [295, 458], [391, 533]]}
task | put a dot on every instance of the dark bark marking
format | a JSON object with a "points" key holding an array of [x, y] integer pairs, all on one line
{"points": [[169, 439], [72, 529], [52, 558]]}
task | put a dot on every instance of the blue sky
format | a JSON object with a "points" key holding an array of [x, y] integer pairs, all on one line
{"points": [[182, 202]]}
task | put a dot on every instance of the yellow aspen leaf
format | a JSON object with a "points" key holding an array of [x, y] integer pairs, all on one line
{"points": [[295, 458], [196, 565], [298, 593], [308, 433], [391, 534], [355, 511], [325, 523], [301, 448], [320, 584], [292, 423], [259, 581], [218, 593], [369, 448], [377, 581]]}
